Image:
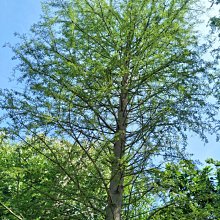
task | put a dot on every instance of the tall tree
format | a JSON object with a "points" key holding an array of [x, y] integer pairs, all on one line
{"points": [[124, 79]]}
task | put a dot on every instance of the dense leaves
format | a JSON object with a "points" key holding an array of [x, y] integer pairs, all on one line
{"points": [[33, 186], [188, 192], [49, 183]]}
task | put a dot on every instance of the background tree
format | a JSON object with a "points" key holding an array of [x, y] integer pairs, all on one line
{"points": [[36, 184], [56, 182], [187, 192], [122, 80]]}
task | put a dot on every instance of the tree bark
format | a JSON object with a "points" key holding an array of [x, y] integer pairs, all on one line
{"points": [[114, 207]]}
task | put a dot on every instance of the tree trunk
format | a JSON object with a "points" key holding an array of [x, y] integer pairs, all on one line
{"points": [[115, 191], [114, 208]]}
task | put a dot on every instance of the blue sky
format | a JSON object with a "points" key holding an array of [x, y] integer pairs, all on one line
{"points": [[18, 16], [15, 16]]}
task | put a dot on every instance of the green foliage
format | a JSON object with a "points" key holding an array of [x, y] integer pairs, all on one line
{"points": [[120, 83], [39, 184], [186, 192]]}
